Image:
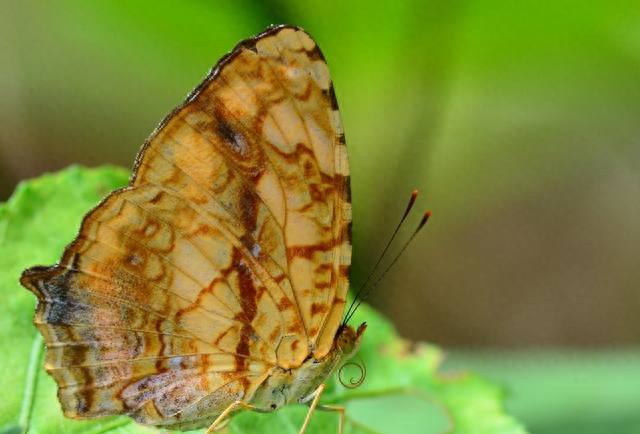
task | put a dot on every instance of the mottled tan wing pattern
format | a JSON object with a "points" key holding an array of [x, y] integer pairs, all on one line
{"points": [[227, 255]]}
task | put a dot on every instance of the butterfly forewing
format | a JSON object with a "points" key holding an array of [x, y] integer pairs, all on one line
{"points": [[226, 256]]}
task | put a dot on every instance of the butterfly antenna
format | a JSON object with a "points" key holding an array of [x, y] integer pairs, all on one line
{"points": [[412, 200], [420, 226]]}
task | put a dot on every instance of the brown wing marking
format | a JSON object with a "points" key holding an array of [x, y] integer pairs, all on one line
{"points": [[103, 367], [338, 189], [212, 253], [297, 141], [198, 414], [323, 263], [248, 220], [118, 282]]}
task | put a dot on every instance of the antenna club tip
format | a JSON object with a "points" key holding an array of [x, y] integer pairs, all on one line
{"points": [[423, 221], [414, 195], [426, 217], [412, 200]]}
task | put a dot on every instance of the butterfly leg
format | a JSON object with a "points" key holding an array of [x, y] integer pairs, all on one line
{"points": [[313, 406], [222, 425], [218, 424], [334, 408]]}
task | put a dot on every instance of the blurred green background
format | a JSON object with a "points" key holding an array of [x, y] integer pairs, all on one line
{"points": [[519, 122]]}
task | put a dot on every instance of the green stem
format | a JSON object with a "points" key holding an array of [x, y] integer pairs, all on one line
{"points": [[33, 370]]}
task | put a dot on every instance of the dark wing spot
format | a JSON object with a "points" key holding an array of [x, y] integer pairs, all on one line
{"points": [[235, 141]]}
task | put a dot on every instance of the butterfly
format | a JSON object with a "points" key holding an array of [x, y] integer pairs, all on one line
{"points": [[216, 281]]}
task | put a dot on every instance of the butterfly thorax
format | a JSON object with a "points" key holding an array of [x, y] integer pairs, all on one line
{"points": [[284, 386]]}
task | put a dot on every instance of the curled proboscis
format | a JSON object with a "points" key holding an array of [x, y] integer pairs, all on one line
{"points": [[353, 383]]}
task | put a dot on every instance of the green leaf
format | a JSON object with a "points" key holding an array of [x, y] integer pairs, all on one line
{"points": [[403, 392]]}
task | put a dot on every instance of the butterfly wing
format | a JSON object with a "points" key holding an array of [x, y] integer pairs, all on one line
{"points": [[226, 256]]}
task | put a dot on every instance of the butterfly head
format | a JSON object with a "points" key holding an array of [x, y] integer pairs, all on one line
{"points": [[347, 340], [347, 343]]}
